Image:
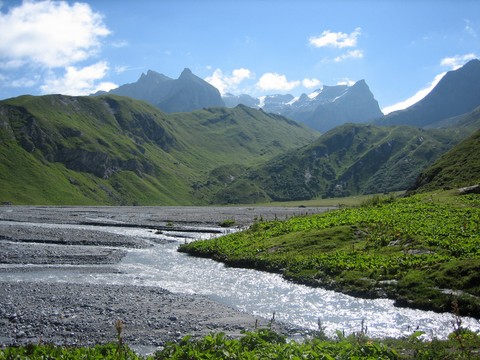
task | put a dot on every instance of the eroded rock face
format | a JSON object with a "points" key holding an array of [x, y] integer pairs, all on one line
{"points": [[69, 146]]}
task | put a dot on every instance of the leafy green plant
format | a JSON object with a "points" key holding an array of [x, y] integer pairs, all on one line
{"points": [[412, 248]]}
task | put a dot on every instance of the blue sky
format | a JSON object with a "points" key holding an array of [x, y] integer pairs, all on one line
{"points": [[401, 48]]}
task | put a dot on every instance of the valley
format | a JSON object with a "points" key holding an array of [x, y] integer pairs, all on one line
{"points": [[112, 197], [114, 150]]}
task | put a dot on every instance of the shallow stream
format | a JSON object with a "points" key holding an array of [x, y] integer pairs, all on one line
{"points": [[255, 292]]}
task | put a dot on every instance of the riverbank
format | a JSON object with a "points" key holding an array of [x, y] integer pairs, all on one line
{"points": [[41, 239], [74, 314], [420, 251]]}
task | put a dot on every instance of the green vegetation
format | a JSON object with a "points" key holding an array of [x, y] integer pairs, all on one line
{"points": [[266, 344], [112, 150], [458, 167], [349, 160], [108, 352], [423, 251]]}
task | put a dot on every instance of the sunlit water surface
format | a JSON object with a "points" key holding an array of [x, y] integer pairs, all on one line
{"points": [[254, 292]]}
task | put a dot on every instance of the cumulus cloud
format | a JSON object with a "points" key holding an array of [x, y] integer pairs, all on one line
{"points": [[46, 38], [273, 81], [311, 83], [79, 81], [353, 54], [335, 39], [51, 34], [229, 83]]}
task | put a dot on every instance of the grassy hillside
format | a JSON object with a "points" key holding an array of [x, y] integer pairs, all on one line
{"points": [[458, 167], [113, 150], [421, 251], [348, 160]]}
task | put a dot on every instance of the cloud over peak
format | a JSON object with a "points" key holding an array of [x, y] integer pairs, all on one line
{"points": [[274, 81], [228, 83], [457, 61], [79, 81]]}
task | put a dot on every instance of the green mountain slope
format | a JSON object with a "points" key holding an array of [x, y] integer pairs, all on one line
{"points": [[113, 150], [348, 160], [458, 167]]}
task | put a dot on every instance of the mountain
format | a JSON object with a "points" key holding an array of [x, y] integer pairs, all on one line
{"points": [[459, 167], [231, 100], [187, 93], [337, 105], [457, 93], [348, 160], [323, 109], [113, 150]]}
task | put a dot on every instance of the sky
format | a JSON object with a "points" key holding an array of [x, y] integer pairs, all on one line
{"points": [[263, 47]]}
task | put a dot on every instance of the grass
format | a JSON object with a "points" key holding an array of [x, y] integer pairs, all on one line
{"points": [[347, 201], [423, 251], [62, 150], [458, 167]]}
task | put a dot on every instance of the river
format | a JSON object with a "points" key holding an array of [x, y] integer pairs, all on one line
{"points": [[255, 292]]}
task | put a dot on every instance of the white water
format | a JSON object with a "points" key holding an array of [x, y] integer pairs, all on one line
{"points": [[252, 291]]}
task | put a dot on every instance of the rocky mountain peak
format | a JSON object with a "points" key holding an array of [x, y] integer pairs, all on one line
{"points": [[322, 109], [187, 93], [186, 73], [153, 77]]}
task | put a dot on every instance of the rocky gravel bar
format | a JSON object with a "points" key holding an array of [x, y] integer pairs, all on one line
{"points": [[32, 239]]}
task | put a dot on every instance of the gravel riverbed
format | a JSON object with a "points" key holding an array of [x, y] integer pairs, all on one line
{"points": [[32, 239]]}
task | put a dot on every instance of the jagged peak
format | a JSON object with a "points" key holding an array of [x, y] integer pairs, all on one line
{"points": [[186, 73], [359, 83], [151, 74]]}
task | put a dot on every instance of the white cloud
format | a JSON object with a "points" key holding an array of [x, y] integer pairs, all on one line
{"points": [[120, 44], [469, 29], [353, 54], [415, 98], [274, 81], [335, 39], [346, 81], [42, 39], [121, 69], [457, 61], [50, 33], [78, 81], [311, 83], [25, 82], [229, 83]]}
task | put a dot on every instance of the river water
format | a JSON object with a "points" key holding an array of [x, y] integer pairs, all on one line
{"points": [[258, 293]]}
